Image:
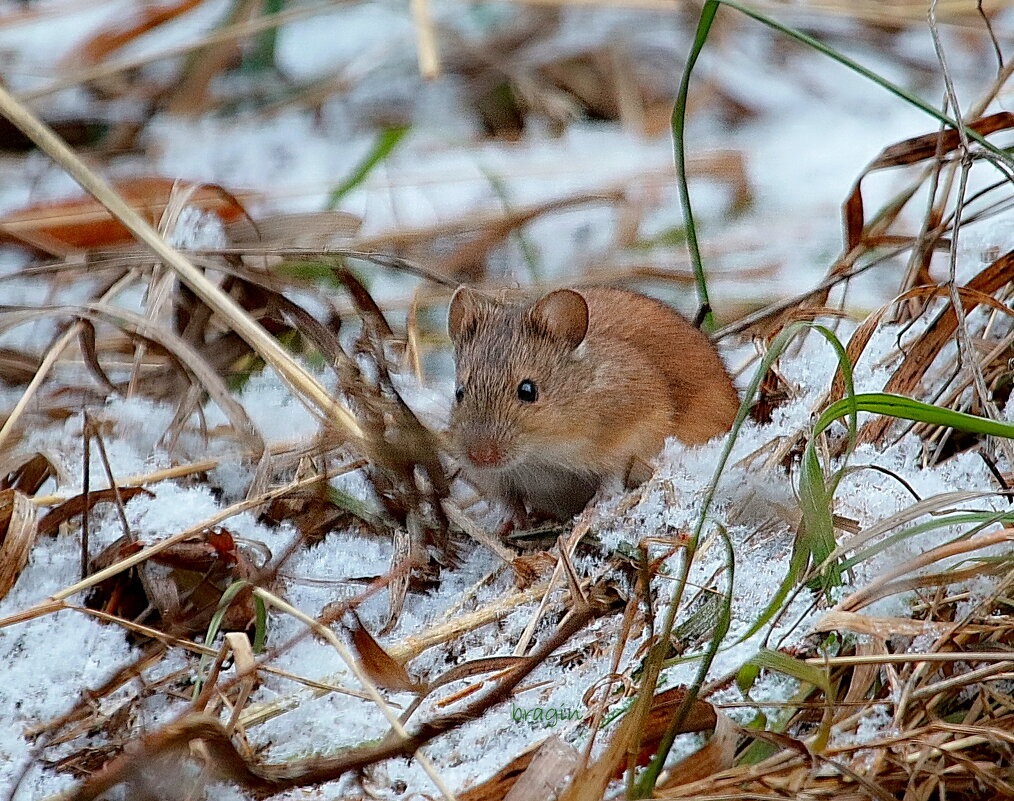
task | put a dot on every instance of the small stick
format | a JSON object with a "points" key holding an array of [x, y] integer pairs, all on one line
{"points": [[110, 478], [401, 652], [138, 480], [426, 40], [465, 523], [86, 431]]}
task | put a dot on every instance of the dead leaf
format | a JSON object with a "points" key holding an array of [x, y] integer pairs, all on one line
{"points": [[18, 529], [921, 353], [200, 570], [717, 754], [701, 716], [380, 666], [552, 765], [313, 230], [26, 473], [97, 47], [17, 367], [912, 151], [76, 505], [497, 786], [81, 223]]}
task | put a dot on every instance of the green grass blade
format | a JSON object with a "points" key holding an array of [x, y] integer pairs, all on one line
{"points": [[387, 141], [213, 626], [527, 247], [262, 57], [983, 519], [904, 408], [885, 404], [656, 657], [650, 776], [867, 73], [260, 625], [678, 123], [796, 668], [814, 492], [817, 534]]}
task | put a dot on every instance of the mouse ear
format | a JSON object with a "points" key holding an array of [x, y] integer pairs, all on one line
{"points": [[466, 307], [562, 314]]}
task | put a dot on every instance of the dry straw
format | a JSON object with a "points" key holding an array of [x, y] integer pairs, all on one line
{"points": [[304, 385]]}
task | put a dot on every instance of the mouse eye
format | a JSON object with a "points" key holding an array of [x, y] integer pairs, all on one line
{"points": [[527, 391], [459, 393]]}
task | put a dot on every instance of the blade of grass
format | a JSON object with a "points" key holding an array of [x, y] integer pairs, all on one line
{"points": [[263, 55], [890, 405], [796, 668], [814, 493], [214, 625], [982, 519], [657, 655], [914, 100], [387, 140], [721, 629], [897, 406], [678, 121], [678, 124], [881, 403], [817, 532], [524, 243]]}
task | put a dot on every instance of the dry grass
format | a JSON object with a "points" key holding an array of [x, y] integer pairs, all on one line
{"points": [[213, 317]]}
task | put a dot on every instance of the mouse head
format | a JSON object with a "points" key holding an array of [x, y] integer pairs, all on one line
{"points": [[520, 370]]}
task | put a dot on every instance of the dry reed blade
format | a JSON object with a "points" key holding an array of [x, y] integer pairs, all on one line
{"points": [[864, 333], [912, 151], [50, 359], [304, 385], [876, 588], [226, 34], [18, 530], [922, 353], [130, 482]]}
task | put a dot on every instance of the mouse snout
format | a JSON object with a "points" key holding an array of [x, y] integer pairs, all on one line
{"points": [[485, 452]]}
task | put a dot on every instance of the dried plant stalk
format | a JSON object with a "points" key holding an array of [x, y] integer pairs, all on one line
{"points": [[302, 383]]}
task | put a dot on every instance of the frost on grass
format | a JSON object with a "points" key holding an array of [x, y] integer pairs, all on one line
{"points": [[439, 174], [195, 229], [752, 503]]}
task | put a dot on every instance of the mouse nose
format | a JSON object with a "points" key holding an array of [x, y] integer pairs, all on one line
{"points": [[485, 453]]}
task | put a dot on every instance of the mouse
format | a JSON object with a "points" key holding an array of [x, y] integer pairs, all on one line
{"points": [[559, 396]]}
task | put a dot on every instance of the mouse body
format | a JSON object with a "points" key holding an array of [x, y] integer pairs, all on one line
{"points": [[556, 397]]}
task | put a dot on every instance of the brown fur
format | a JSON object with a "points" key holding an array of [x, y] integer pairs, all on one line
{"points": [[639, 374]]}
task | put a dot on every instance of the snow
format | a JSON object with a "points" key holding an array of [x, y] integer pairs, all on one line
{"points": [[816, 126]]}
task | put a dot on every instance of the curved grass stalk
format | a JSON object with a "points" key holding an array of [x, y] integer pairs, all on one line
{"points": [[678, 121], [657, 656]]}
